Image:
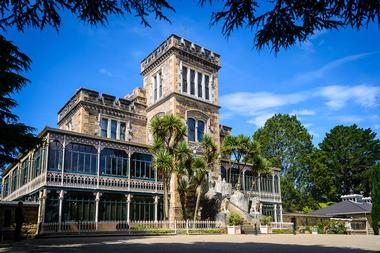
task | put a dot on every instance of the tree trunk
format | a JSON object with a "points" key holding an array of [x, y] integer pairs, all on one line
{"points": [[166, 206], [198, 191], [183, 205], [175, 209]]}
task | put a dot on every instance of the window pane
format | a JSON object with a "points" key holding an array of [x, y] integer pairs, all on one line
{"points": [[207, 88], [184, 79], [201, 129], [159, 85], [113, 129], [192, 82], [122, 131], [103, 127], [191, 129], [155, 87], [199, 84]]}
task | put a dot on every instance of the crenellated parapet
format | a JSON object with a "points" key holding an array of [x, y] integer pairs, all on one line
{"points": [[184, 48]]}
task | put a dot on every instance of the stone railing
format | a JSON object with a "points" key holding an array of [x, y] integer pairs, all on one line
{"points": [[83, 181], [27, 188]]}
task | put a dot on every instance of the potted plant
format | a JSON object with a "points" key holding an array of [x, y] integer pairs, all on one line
{"points": [[264, 221], [314, 230], [234, 224]]}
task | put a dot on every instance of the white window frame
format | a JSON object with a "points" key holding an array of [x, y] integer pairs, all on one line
{"points": [[118, 122], [197, 72]]}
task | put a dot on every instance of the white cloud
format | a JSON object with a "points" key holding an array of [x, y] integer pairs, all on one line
{"points": [[320, 72], [104, 71], [253, 102], [349, 118], [304, 112], [338, 96], [260, 120]]}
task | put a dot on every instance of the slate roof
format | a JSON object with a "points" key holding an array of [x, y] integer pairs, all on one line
{"points": [[343, 208]]}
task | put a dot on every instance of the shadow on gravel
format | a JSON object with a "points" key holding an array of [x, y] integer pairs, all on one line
{"points": [[112, 244]]}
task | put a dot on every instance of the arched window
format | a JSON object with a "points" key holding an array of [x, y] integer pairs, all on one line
{"points": [[200, 130], [80, 158], [141, 166], [191, 129], [55, 156], [113, 162]]}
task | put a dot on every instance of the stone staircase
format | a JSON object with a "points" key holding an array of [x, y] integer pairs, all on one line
{"points": [[249, 222]]}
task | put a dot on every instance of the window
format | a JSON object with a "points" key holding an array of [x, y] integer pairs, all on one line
{"points": [[141, 166], [117, 129], [200, 85], [200, 130], [14, 179], [113, 129], [191, 129], [192, 82], [37, 164], [159, 85], [113, 162], [81, 158], [207, 88], [195, 83], [122, 131], [184, 79], [55, 156], [155, 84], [24, 171], [103, 127]]}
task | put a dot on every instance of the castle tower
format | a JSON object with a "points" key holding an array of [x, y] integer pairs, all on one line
{"points": [[181, 78]]}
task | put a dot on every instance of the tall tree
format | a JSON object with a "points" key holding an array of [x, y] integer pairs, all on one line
{"points": [[319, 180], [351, 152], [374, 177], [285, 142], [14, 136], [168, 133]]}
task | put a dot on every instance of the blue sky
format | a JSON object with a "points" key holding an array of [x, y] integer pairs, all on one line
{"points": [[331, 79]]}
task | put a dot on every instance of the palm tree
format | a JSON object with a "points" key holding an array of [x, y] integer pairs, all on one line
{"points": [[162, 162], [244, 150], [202, 165], [168, 133]]}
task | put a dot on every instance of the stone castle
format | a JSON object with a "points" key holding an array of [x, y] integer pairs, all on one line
{"points": [[98, 158]]}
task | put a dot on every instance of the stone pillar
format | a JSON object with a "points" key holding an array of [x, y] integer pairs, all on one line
{"points": [[129, 197], [261, 208], [61, 197], [41, 208], [97, 199], [273, 191], [281, 213], [275, 212], [156, 208]]}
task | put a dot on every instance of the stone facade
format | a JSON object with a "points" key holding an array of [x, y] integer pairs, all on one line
{"points": [[180, 78]]}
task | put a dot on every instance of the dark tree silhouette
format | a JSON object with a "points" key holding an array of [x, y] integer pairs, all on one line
{"points": [[14, 136], [40, 13], [283, 23]]}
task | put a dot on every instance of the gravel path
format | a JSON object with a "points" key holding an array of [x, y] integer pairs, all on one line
{"points": [[202, 243]]}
